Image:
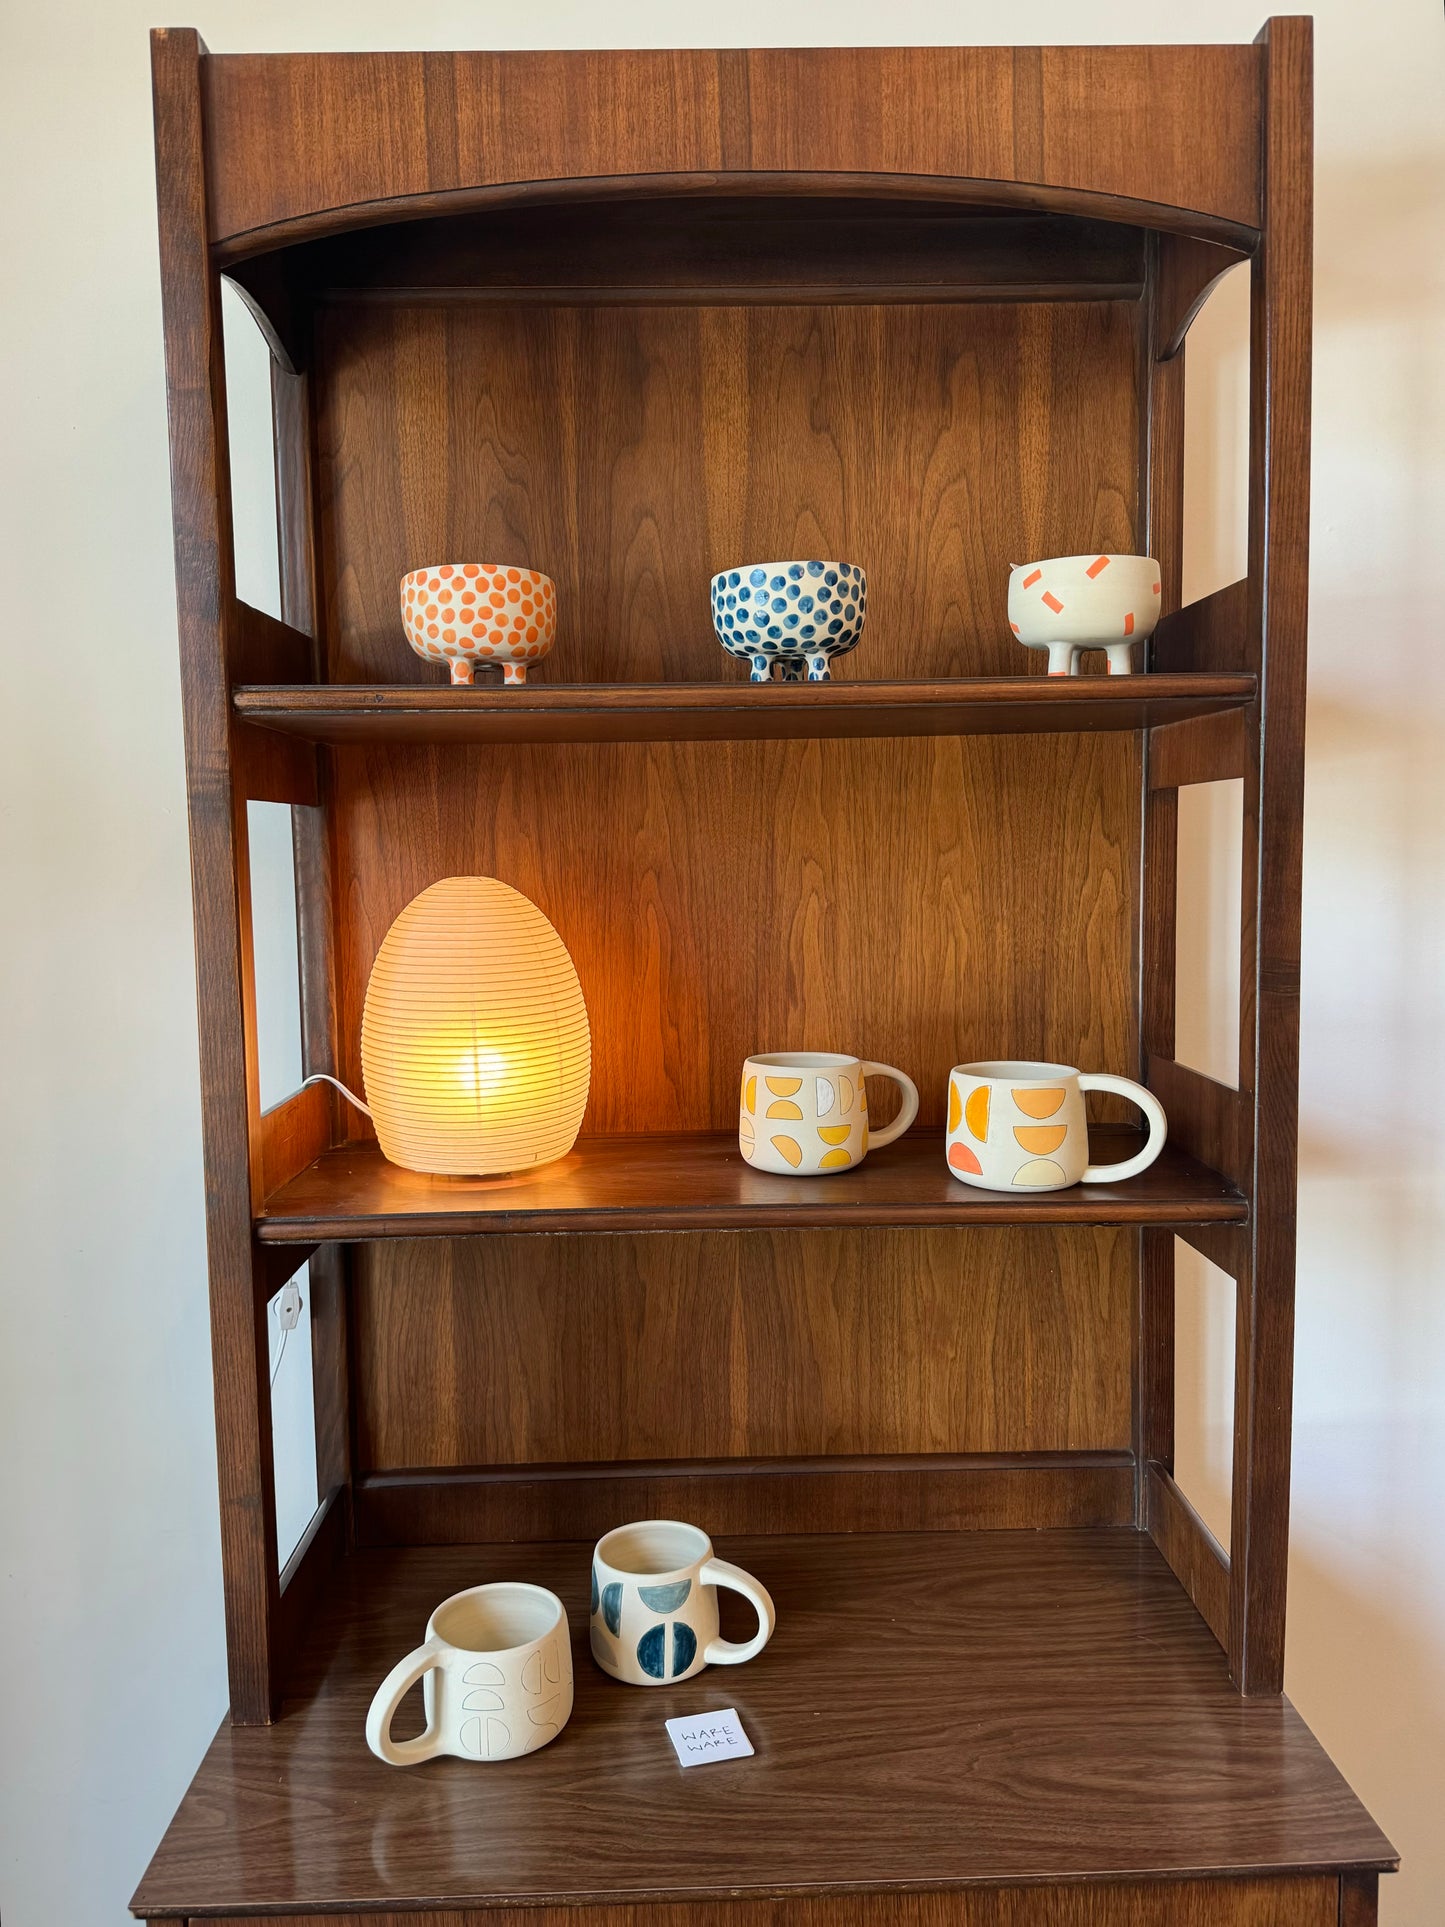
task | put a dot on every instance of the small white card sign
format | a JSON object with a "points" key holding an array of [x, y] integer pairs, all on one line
{"points": [[700, 1737]]}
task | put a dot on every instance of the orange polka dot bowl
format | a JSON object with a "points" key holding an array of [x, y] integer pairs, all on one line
{"points": [[1074, 602], [464, 615]]}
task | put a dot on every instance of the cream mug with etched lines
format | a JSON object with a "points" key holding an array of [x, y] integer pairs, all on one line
{"points": [[1021, 1126], [806, 1112], [496, 1673]]}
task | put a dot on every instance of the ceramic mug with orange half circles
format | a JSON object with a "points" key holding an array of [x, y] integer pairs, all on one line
{"points": [[805, 1113], [1021, 1126]]}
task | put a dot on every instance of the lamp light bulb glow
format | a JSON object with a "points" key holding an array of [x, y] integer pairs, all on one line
{"points": [[481, 1071]]}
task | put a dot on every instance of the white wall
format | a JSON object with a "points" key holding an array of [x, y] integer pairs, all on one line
{"points": [[111, 1668]]}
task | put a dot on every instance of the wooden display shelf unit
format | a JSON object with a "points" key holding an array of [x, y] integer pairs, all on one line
{"points": [[630, 318]]}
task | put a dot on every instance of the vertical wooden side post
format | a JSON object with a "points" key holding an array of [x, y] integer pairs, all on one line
{"points": [[1161, 531], [315, 916], [1273, 807], [206, 605], [1359, 1900]]}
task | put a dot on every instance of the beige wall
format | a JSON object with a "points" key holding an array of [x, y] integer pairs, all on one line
{"points": [[111, 1673]]}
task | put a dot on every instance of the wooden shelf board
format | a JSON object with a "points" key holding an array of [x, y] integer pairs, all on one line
{"points": [[649, 712], [701, 1183], [936, 1710], [716, 248]]}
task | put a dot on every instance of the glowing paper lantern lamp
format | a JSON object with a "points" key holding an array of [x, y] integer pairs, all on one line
{"points": [[475, 1045]]}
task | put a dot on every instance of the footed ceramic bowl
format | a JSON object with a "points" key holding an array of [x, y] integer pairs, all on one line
{"points": [[467, 614], [1075, 602], [794, 616]]}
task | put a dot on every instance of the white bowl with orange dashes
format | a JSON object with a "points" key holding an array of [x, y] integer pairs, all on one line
{"points": [[1074, 602], [467, 614]]}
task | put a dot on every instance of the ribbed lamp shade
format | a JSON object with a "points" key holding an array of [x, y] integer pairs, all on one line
{"points": [[475, 1045]]}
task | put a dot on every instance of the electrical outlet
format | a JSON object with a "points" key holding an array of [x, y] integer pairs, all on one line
{"points": [[288, 1307]]}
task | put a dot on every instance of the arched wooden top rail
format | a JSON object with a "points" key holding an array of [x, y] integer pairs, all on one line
{"points": [[301, 145]]}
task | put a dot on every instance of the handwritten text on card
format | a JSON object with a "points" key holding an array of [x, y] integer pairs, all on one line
{"points": [[701, 1737]]}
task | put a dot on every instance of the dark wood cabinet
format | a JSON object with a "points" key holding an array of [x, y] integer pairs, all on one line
{"points": [[629, 318]]}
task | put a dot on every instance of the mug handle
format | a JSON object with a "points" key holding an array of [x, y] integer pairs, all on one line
{"points": [[1153, 1144], [732, 1652], [389, 1695], [910, 1104]]}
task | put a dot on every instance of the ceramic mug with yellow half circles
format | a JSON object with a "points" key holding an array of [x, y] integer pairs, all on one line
{"points": [[1021, 1126], [805, 1113]]}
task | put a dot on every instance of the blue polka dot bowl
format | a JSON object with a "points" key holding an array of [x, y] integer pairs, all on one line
{"points": [[790, 616]]}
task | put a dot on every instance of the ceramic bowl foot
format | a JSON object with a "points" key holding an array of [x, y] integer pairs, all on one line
{"points": [[514, 672]]}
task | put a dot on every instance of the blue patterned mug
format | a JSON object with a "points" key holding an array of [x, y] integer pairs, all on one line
{"points": [[654, 1604], [797, 615]]}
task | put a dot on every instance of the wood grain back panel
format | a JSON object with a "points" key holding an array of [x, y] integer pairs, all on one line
{"points": [[630, 453], [518, 1351], [291, 136], [922, 902]]}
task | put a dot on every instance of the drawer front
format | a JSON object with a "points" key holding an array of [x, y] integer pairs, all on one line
{"points": [[1314, 1902]]}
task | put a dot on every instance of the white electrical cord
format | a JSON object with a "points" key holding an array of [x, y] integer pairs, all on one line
{"points": [[325, 1077], [316, 1077]]}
